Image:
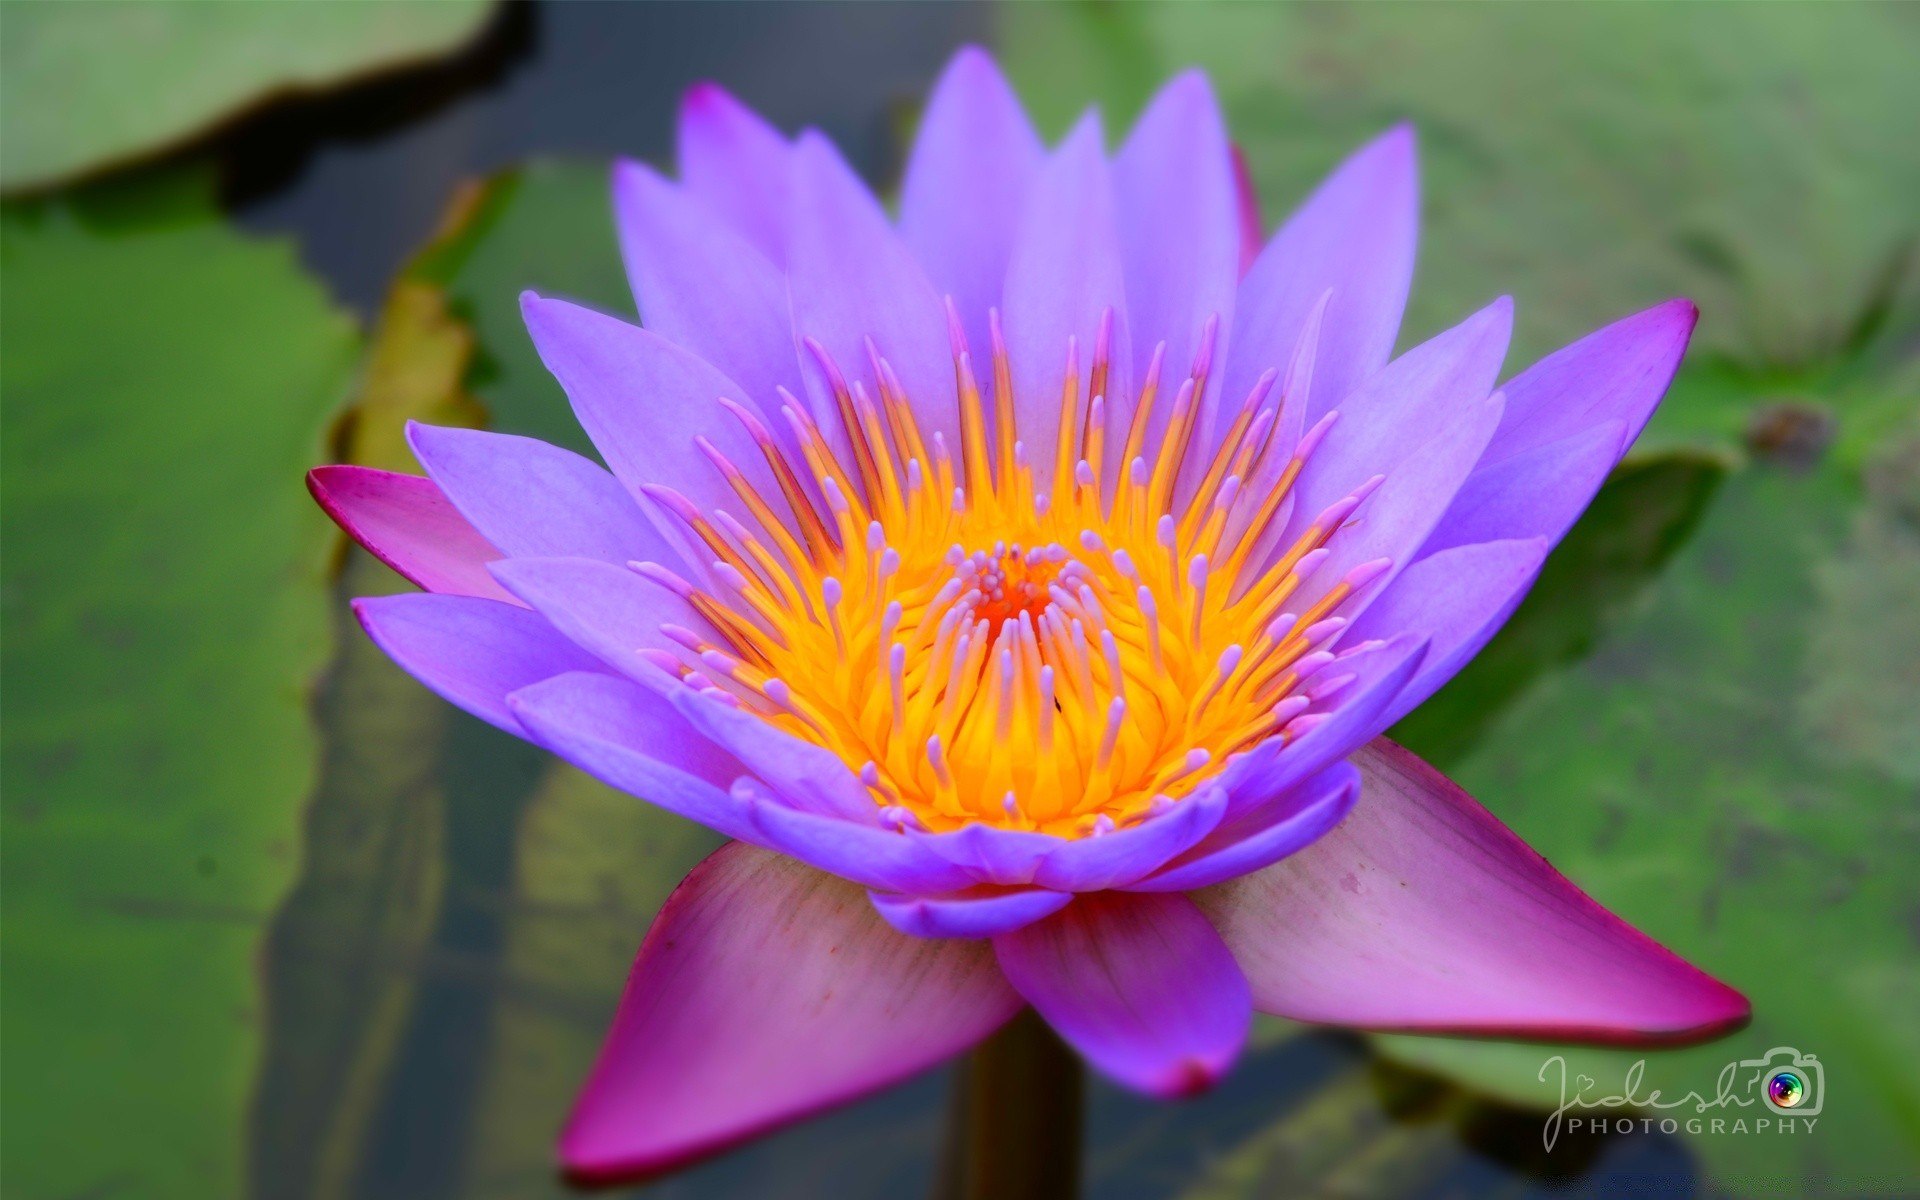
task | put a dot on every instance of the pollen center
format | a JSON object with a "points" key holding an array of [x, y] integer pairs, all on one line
{"points": [[1012, 580], [981, 647]]}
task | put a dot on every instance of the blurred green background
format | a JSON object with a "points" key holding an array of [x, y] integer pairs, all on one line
{"points": [[278, 923]]}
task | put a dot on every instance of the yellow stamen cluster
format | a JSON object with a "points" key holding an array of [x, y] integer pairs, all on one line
{"points": [[980, 650]]}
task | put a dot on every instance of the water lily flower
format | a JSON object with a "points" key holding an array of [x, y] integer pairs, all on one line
{"points": [[1023, 585]]}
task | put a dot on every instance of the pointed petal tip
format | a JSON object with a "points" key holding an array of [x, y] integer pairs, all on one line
{"points": [[706, 96], [971, 59], [1189, 1078], [317, 487], [1680, 314], [630, 176]]}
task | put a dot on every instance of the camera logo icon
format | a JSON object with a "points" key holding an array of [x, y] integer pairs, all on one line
{"points": [[1788, 1082]]}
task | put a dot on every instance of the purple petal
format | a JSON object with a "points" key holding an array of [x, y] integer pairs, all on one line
{"points": [[702, 286], [1112, 860], [1538, 492], [1180, 232], [735, 163], [1422, 912], [979, 913], [608, 611], [1614, 374], [966, 183], [1457, 600], [882, 859], [407, 522], [629, 739], [471, 652], [1064, 273], [1247, 201], [644, 401], [533, 499], [1264, 777], [1398, 519], [764, 992], [1007, 857], [1261, 838], [1402, 408], [800, 773], [1140, 985], [1355, 235], [853, 278]]}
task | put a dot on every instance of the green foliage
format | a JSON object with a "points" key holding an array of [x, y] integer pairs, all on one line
{"points": [[166, 382], [88, 85], [1636, 522], [1733, 771]]}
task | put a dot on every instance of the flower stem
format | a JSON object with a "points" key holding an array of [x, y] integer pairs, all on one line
{"points": [[1013, 1128]]}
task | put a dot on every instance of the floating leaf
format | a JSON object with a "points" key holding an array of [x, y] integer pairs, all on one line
{"points": [[88, 85], [1642, 515], [165, 382], [1732, 770]]}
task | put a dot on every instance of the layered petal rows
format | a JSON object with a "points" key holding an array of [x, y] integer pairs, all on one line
{"points": [[1024, 584]]}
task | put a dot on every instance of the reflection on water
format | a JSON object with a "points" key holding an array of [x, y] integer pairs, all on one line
{"points": [[441, 977]]}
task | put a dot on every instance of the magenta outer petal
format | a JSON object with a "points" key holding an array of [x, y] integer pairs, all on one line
{"points": [[644, 401], [1261, 839], [1112, 860], [1064, 272], [408, 523], [1538, 492], [1180, 234], [766, 991], [1422, 912], [704, 287], [965, 186], [1617, 373], [876, 858], [981, 913], [628, 738], [853, 278], [533, 499], [1457, 599], [737, 164], [1140, 985], [1355, 235], [1262, 778], [469, 651]]}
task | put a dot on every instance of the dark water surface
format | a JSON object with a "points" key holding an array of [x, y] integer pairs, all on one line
{"points": [[360, 179]]}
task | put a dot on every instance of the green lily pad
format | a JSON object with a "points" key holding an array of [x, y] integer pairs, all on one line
{"points": [[1590, 159], [88, 85], [1733, 770], [1642, 515], [165, 381]]}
